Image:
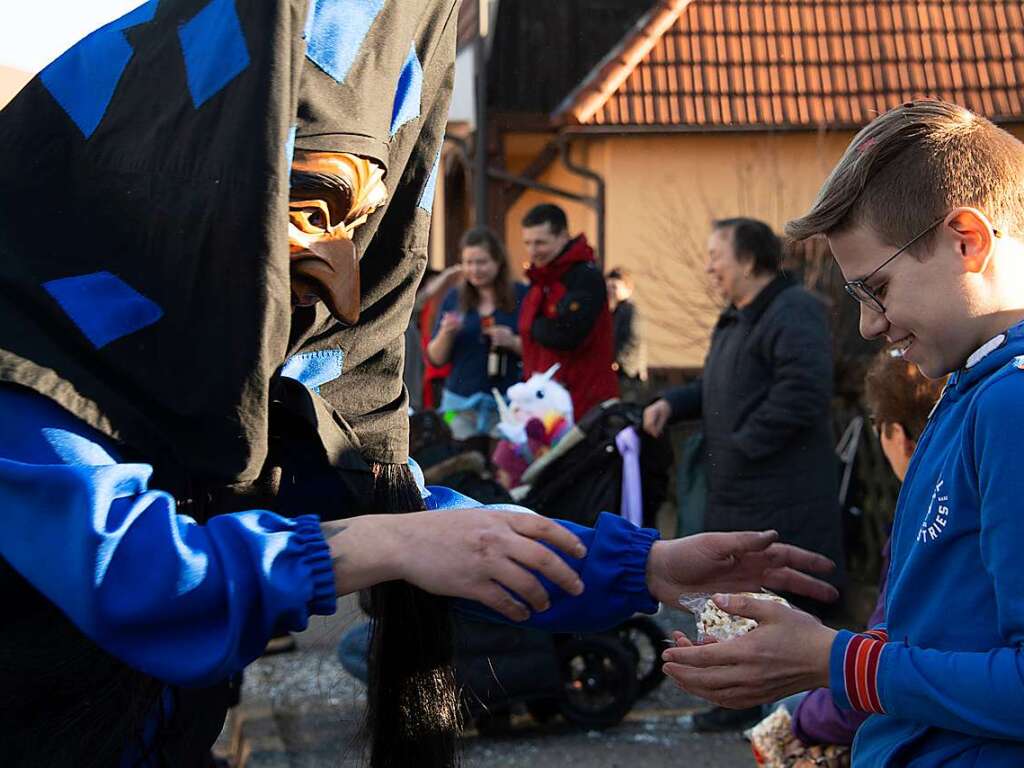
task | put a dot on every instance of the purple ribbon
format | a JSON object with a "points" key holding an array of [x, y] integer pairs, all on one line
{"points": [[632, 507]]}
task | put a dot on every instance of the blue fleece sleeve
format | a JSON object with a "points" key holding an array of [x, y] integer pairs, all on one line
{"points": [[980, 693], [187, 604], [614, 574]]}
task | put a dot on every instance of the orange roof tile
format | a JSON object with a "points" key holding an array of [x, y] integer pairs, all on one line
{"points": [[731, 64]]}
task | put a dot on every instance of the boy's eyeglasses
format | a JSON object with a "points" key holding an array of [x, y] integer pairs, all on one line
{"points": [[859, 290]]}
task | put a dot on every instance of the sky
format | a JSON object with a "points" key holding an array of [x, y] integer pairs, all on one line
{"points": [[34, 33]]}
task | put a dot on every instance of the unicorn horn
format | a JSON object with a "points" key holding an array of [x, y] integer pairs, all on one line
{"points": [[550, 372]]}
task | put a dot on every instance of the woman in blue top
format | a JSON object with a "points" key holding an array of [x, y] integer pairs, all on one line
{"points": [[476, 333]]}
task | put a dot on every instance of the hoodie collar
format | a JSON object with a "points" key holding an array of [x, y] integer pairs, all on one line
{"points": [[989, 357]]}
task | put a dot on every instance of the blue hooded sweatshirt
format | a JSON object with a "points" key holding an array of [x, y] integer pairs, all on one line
{"points": [[945, 675]]}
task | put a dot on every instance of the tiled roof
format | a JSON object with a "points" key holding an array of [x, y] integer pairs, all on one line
{"points": [[804, 63]]}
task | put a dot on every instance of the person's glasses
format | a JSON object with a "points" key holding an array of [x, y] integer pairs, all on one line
{"points": [[859, 289]]}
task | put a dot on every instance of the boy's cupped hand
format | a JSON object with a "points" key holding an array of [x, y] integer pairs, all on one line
{"points": [[786, 653], [735, 562]]}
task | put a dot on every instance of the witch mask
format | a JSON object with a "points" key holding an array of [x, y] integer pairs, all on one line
{"points": [[332, 194]]}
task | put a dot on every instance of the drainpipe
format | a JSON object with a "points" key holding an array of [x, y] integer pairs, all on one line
{"points": [[596, 202], [480, 186], [599, 197]]}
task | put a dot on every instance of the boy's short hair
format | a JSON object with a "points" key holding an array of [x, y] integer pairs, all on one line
{"points": [[621, 274], [895, 392], [911, 166], [755, 242], [547, 213]]}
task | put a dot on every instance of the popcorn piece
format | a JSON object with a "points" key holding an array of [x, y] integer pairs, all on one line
{"points": [[715, 623]]}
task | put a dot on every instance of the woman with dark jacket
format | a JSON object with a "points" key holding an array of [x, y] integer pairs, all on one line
{"points": [[763, 400]]}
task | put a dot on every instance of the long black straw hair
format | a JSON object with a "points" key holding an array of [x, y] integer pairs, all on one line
{"points": [[412, 716]]}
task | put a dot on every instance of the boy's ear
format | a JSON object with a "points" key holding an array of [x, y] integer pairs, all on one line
{"points": [[973, 238]]}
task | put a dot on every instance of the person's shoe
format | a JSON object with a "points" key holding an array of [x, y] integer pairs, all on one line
{"points": [[722, 719], [282, 644]]}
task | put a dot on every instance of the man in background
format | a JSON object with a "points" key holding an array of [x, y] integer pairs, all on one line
{"points": [[565, 317]]}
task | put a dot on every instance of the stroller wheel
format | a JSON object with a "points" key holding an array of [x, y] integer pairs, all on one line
{"points": [[494, 723], [542, 710], [598, 681], [644, 638]]}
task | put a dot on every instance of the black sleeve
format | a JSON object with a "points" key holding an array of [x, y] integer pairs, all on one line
{"points": [[800, 349], [622, 324], [577, 312], [686, 401]]}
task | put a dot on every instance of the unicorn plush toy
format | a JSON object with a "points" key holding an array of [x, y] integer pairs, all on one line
{"points": [[538, 413]]}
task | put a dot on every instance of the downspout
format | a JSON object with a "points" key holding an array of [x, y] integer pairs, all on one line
{"points": [[596, 202], [599, 197], [480, 185]]}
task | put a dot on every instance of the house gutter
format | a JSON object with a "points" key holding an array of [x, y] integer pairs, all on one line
{"points": [[600, 195], [595, 201]]}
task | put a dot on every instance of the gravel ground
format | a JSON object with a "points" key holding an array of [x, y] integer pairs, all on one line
{"points": [[303, 711]]}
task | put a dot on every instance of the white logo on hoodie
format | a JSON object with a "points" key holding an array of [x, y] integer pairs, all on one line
{"points": [[936, 517]]}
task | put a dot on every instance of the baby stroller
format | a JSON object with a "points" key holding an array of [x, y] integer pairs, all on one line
{"points": [[606, 463], [594, 679]]}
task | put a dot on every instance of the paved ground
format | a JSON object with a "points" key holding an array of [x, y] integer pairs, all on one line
{"points": [[302, 710]]}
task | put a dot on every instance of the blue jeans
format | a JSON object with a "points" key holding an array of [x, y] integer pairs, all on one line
{"points": [[354, 650]]}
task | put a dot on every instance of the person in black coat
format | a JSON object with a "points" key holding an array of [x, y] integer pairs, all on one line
{"points": [[627, 331], [763, 400]]}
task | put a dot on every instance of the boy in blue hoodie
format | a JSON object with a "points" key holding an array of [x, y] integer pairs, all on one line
{"points": [[924, 215]]}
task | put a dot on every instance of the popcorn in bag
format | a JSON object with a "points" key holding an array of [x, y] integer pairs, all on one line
{"points": [[715, 624]]}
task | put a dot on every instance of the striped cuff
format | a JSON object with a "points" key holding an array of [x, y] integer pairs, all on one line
{"points": [[853, 670]]}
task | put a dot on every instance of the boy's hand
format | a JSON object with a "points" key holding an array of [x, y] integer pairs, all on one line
{"points": [[735, 562], [786, 653]]}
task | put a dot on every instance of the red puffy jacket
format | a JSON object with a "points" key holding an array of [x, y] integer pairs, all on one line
{"points": [[565, 319]]}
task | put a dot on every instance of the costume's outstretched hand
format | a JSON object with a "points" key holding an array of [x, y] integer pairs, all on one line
{"points": [[476, 554], [735, 562], [483, 554]]}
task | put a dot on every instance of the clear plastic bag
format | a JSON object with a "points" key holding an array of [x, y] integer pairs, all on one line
{"points": [[715, 624], [771, 737], [776, 746]]}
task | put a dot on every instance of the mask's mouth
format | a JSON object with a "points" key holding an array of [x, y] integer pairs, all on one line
{"points": [[328, 271]]}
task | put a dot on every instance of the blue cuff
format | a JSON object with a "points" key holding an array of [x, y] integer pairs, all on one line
{"points": [[615, 577], [316, 556], [836, 668], [631, 546]]}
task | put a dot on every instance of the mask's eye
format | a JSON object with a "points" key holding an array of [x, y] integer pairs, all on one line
{"points": [[310, 219], [317, 219]]}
